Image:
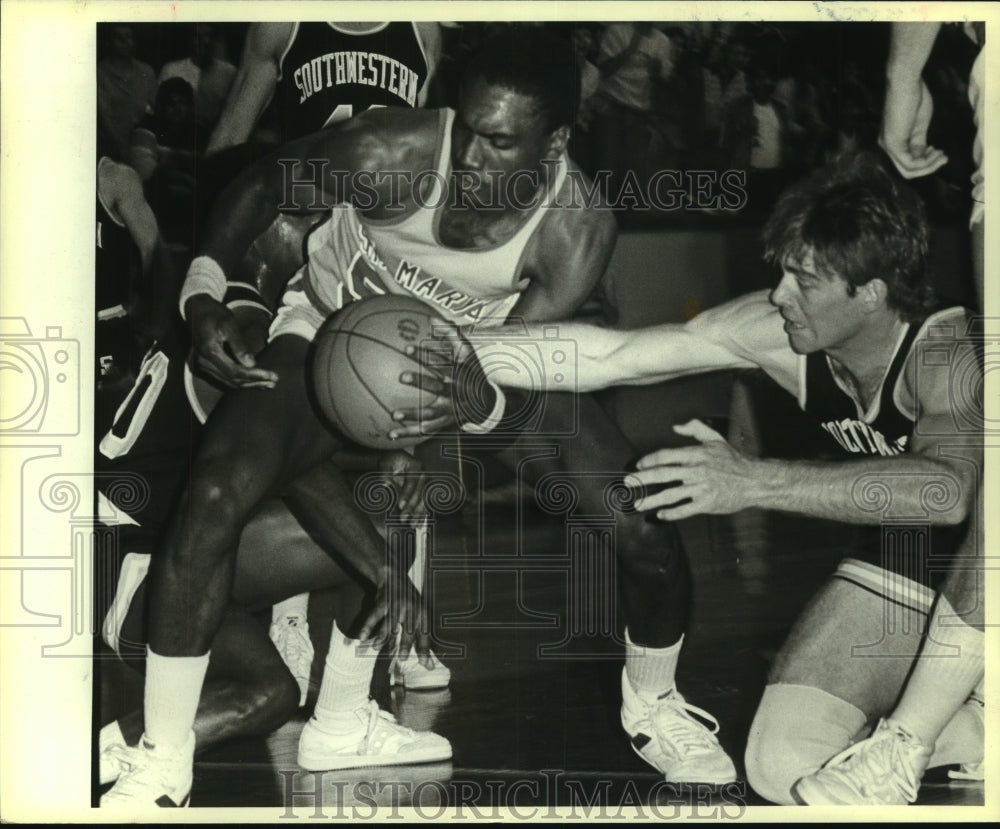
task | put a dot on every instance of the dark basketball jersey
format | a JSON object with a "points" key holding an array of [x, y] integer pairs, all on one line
{"points": [[886, 433], [144, 458], [917, 551], [327, 75]]}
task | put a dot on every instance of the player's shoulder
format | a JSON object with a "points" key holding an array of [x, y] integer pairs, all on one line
{"points": [[578, 204], [393, 137], [751, 328], [752, 312], [945, 349]]}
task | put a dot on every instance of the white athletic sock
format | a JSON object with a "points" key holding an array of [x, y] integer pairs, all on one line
{"points": [[347, 677], [948, 669], [173, 689], [650, 671], [296, 607], [417, 571], [111, 735]]}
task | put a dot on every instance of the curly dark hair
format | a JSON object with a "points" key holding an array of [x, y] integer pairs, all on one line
{"points": [[533, 62], [860, 223]]}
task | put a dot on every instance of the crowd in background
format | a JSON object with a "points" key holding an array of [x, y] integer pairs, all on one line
{"points": [[772, 100]]}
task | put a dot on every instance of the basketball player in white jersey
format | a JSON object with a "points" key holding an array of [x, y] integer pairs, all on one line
{"points": [[312, 75], [434, 225], [317, 74], [851, 331]]}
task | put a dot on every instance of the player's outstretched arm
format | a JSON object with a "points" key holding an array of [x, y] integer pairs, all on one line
{"points": [[936, 479], [253, 85], [908, 107]]}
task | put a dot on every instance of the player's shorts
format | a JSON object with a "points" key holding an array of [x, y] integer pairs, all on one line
{"points": [[977, 97], [892, 586], [297, 314]]}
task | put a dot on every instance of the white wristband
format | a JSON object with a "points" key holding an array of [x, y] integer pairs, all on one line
{"points": [[494, 418], [204, 276]]}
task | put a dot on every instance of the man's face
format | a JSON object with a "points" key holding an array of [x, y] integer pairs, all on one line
{"points": [[499, 133], [819, 315], [122, 42]]}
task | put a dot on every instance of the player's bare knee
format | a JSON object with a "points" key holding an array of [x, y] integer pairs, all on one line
{"points": [[221, 493]]}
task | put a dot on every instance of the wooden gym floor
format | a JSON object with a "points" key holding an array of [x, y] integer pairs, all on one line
{"points": [[533, 710]]}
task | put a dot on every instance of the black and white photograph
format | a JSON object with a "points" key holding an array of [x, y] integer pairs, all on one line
{"points": [[553, 412]]}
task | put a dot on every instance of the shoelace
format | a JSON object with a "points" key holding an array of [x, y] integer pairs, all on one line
{"points": [[867, 763], [684, 732], [135, 774], [119, 755], [293, 643], [374, 715]]}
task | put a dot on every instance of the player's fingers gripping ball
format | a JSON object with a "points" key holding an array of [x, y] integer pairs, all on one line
{"points": [[360, 353]]}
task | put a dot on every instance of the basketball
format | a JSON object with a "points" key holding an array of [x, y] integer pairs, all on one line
{"points": [[360, 352]]}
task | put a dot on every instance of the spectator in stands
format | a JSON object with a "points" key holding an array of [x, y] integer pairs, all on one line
{"points": [[210, 76], [126, 87], [633, 58], [165, 150]]}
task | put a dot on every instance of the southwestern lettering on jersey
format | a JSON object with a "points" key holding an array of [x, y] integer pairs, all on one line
{"points": [[884, 429], [858, 437], [336, 69]]}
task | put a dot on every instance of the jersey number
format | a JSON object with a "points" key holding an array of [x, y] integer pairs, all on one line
{"points": [[133, 413]]}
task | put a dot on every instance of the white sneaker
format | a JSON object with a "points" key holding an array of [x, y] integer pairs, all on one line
{"points": [[112, 753], [668, 737], [378, 740], [113, 760], [415, 677], [149, 777], [290, 635], [882, 770]]}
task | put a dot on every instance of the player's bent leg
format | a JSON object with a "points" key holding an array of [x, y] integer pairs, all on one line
{"points": [[796, 729], [347, 729], [248, 691], [253, 442], [856, 641], [655, 588], [886, 768]]}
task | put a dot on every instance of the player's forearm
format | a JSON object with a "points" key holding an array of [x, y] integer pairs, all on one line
{"points": [[250, 94], [909, 48], [580, 357], [866, 491]]}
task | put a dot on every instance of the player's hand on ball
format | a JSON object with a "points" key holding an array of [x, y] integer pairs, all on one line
{"points": [[455, 378], [220, 347], [407, 475], [710, 478]]}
